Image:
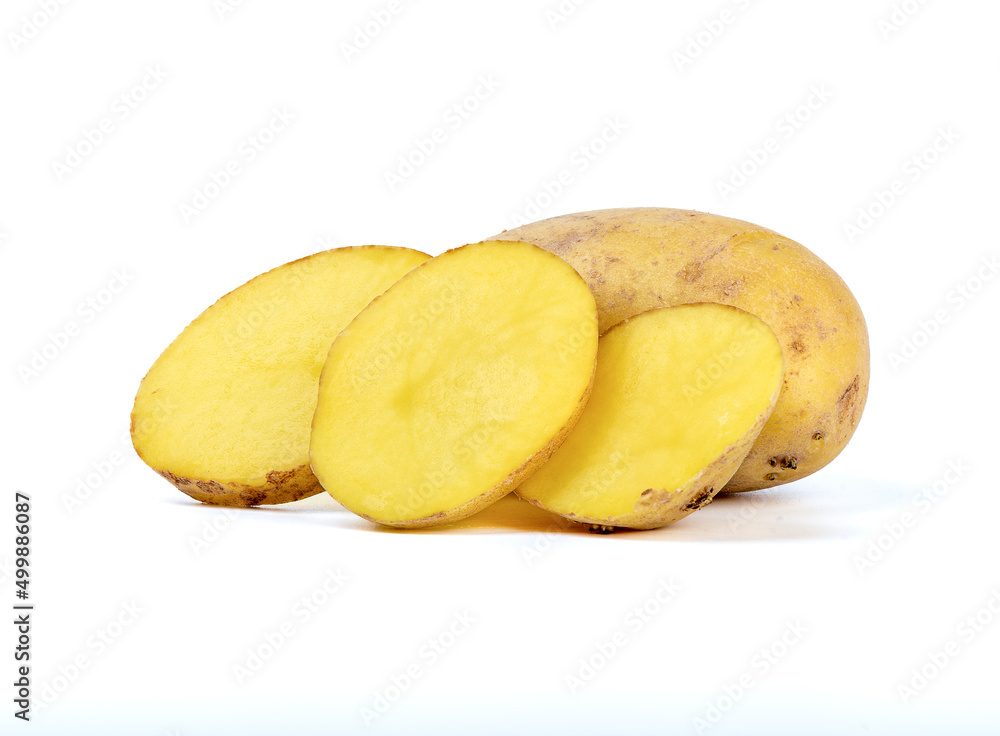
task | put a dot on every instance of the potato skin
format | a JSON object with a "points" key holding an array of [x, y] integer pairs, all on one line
{"points": [[277, 487], [643, 258]]}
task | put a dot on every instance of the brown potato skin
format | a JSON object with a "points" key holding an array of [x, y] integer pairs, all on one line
{"points": [[643, 258], [279, 487]]}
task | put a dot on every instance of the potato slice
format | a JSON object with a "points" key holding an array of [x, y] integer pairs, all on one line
{"points": [[681, 394], [224, 413], [455, 385]]}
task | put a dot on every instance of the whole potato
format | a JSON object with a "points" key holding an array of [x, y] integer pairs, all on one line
{"points": [[641, 258]]}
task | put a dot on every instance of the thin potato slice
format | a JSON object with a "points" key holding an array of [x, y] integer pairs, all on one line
{"points": [[225, 412], [455, 385], [680, 395]]}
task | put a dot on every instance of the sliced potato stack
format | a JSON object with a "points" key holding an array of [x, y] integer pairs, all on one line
{"points": [[224, 413], [680, 395], [452, 387], [646, 257]]}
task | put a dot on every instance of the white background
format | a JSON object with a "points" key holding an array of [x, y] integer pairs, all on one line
{"points": [[542, 599]]}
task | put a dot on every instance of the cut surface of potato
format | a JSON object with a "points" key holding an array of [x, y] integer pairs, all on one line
{"points": [[225, 412], [454, 385], [644, 258], [680, 395]]}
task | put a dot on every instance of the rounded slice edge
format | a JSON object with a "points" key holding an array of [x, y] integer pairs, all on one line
{"points": [[224, 413], [455, 385], [679, 397]]}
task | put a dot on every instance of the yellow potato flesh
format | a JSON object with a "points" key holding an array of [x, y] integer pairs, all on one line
{"points": [[225, 412], [676, 390], [455, 384]]}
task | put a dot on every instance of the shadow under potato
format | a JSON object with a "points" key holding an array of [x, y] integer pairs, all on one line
{"points": [[818, 508]]}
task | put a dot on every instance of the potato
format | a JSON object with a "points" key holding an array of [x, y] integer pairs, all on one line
{"points": [[452, 387], [640, 259], [680, 395], [225, 412]]}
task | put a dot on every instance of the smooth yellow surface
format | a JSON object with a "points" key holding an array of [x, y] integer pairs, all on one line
{"points": [[232, 398], [451, 381], [674, 389]]}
